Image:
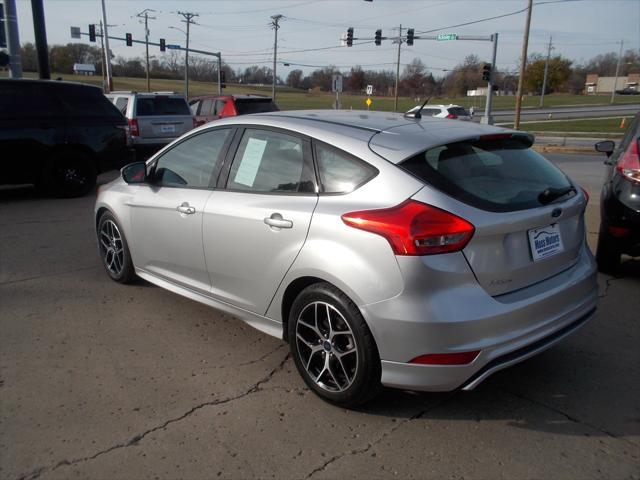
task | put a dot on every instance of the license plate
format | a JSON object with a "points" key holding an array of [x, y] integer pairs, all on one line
{"points": [[545, 241], [167, 128]]}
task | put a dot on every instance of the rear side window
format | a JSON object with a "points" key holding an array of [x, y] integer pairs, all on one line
{"points": [[219, 105], [459, 111], [246, 106], [121, 104], [87, 102], [340, 172], [268, 161], [497, 175], [193, 106], [159, 105], [20, 100], [207, 107]]}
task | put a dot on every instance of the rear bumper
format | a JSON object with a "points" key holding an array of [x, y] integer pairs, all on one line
{"points": [[506, 329]]}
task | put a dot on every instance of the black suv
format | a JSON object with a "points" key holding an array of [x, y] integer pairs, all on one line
{"points": [[59, 135], [620, 200]]}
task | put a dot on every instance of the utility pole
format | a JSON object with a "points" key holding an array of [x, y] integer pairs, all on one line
{"points": [[546, 71], [145, 14], [395, 100], [188, 19], [523, 65], [615, 82], [102, 62], [275, 24], [107, 55]]}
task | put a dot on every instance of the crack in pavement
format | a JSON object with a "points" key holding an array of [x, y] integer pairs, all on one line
{"points": [[607, 284], [568, 417], [135, 440], [384, 435]]}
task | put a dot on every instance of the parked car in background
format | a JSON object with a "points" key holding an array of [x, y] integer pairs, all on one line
{"points": [[416, 254], [453, 112], [620, 199], [155, 118], [628, 91], [59, 135], [211, 107]]}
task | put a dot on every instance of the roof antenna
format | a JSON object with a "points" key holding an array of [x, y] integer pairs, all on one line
{"points": [[418, 115]]}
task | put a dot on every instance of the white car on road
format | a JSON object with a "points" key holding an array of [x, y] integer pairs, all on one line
{"points": [[454, 112]]}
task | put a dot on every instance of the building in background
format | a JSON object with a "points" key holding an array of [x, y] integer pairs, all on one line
{"points": [[596, 84], [84, 69]]}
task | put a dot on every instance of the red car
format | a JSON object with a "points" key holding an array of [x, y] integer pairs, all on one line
{"points": [[211, 107]]}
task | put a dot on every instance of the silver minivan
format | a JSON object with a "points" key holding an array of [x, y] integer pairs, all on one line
{"points": [[155, 119]]}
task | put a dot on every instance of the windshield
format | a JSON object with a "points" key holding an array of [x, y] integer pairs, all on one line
{"points": [[497, 175], [158, 105]]}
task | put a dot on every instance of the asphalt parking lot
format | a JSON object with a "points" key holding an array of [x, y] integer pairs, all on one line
{"points": [[102, 380]]}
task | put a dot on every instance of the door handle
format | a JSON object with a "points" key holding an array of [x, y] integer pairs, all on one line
{"points": [[276, 220], [186, 209]]}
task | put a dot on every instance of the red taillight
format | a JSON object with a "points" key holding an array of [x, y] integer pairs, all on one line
{"points": [[619, 232], [629, 163], [414, 228], [133, 124], [586, 194], [460, 358], [451, 115]]}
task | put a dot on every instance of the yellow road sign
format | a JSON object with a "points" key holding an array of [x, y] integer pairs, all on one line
{"points": [[368, 102]]}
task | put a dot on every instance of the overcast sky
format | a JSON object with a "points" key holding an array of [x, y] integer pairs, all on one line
{"points": [[240, 29]]}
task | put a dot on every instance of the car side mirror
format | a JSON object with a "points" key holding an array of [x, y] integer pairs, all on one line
{"points": [[135, 172], [606, 146]]}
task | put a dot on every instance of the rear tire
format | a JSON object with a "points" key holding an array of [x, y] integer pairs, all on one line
{"points": [[114, 251], [607, 252], [333, 348], [69, 174]]}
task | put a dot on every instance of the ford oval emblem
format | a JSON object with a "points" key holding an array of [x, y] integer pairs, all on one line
{"points": [[556, 212]]}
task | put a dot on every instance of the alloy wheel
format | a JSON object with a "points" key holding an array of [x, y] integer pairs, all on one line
{"points": [[326, 346], [112, 247]]}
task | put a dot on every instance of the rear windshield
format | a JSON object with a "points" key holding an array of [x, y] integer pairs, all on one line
{"points": [[245, 106], [497, 175], [148, 106], [459, 111]]}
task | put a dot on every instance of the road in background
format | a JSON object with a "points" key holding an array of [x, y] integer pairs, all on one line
{"points": [[102, 380], [563, 113]]}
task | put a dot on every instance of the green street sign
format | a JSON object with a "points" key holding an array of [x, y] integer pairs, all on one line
{"points": [[447, 36]]}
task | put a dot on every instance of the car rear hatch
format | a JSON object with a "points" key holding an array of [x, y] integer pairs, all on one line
{"points": [[528, 216], [162, 116]]}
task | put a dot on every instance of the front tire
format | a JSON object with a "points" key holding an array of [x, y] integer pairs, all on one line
{"points": [[333, 348], [114, 251]]}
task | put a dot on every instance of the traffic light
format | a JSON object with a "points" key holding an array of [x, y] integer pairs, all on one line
{"points": [[486, 72], [163, 45], [223, 79], [378, 38], [129, 39], [92, 33], [349, 36], [410, 36]]}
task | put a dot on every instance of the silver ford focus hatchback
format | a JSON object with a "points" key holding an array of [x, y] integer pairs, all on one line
{"points": [[423, 254]]}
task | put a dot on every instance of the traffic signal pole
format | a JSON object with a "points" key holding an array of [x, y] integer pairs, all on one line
{"points": [[37, 9], [487, 118], [13, 38], [395, 100]]}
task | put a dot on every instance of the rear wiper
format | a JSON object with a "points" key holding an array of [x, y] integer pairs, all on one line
{"points": [[550, 194]]}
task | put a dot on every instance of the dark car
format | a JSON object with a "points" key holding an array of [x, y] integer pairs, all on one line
{"points": [[628, 91], [620, 200], [211, 107], [59, 135]]}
